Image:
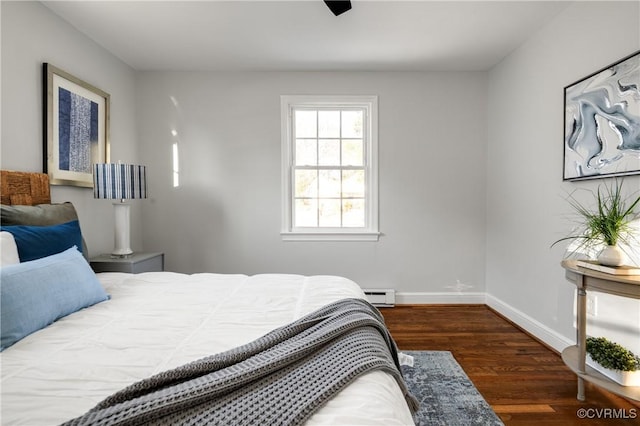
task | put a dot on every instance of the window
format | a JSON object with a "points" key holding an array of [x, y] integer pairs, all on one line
{"points": [[329, 176]]}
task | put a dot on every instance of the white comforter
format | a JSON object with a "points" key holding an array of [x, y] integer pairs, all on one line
{"points": [[158, 321]]}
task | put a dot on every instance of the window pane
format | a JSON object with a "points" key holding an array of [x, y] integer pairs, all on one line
{"points": [[353, 213], [329, 183], [329, 212], [352, 124], [329, 124], [352, 152], [306, 183], [353, 183], [329, 152], [306, 152], [306, 212], [306, 124]]}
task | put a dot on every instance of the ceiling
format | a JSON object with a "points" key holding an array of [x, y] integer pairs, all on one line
{"points": [[303, 35]]}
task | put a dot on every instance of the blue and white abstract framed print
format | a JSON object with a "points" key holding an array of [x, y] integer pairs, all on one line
{"points": [[76, 128], [602, 122]]}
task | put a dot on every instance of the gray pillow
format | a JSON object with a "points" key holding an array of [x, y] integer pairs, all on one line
{"points": [[40, 215]]}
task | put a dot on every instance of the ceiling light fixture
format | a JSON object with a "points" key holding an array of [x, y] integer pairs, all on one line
{"points": [[338, 7]]}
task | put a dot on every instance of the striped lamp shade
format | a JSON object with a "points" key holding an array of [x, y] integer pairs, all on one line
{"points": [[119, 181]]}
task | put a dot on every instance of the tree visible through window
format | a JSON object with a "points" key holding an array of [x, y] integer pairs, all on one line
{"points": [[329, 171]]}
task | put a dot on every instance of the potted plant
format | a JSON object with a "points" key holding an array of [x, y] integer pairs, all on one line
{"points": [[614, 361], [608, 223]]}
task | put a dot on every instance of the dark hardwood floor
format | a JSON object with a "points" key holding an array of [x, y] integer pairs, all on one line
{"points": [[524, 381]]}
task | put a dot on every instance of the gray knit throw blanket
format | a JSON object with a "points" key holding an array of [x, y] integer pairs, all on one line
{"points": [[281, 378]]}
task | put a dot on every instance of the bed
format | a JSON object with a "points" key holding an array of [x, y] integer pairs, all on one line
{"points": [[156, 322]]}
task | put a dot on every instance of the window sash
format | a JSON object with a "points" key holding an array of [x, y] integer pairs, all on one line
{"points": [[368, 106]]}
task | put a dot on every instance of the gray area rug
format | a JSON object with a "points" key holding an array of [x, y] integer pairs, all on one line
{"points": [[446, 395]]}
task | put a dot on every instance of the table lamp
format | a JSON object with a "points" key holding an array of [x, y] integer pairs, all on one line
{"points": [[120, 182]]}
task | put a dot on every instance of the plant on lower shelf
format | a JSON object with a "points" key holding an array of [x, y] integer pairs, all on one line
{"points": [[617, 362], [612, 355]]}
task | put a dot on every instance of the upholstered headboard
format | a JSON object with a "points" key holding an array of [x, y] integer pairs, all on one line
{"points": [[24, 188]]}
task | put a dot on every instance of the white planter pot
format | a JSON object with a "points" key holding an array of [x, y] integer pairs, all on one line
{"points": [[611, 256], [623, 378]]}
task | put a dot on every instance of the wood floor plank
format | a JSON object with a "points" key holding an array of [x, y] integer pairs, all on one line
{"points": [[523, 408], [523, 380]]}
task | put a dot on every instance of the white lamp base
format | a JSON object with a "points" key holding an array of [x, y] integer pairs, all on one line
{"points": [[122, 234]]}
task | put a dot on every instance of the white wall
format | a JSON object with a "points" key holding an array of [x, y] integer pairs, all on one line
{"points": [[526, 198], [225, 216], [32, 34], [436, 164]]}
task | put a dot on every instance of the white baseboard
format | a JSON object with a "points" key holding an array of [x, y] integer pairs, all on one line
{"points": [[529, 324], [408, 298]]}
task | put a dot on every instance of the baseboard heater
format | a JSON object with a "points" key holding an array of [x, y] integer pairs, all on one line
{"points": [[381, 297]]}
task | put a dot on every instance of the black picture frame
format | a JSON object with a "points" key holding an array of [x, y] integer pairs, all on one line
{"points": [[602, 122]]}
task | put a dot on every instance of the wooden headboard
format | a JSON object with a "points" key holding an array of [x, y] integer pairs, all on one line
{"points": [[24, 188]]}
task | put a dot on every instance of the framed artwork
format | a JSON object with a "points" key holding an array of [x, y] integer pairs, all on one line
{"points": [[602, 122], [76, 128]]}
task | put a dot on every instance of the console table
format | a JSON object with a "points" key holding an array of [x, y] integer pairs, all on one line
{"points": [[574, 356]]}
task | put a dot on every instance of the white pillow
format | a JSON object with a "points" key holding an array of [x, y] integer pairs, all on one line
{"points": [[8, 249]]}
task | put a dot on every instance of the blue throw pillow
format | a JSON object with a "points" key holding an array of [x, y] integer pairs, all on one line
{"points": [[35, 294], [35, 242]]}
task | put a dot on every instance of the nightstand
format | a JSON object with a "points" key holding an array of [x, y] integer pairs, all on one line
{"points": [[134, 263]]}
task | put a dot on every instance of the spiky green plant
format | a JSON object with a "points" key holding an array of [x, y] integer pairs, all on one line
{"points": [[608, 223]]}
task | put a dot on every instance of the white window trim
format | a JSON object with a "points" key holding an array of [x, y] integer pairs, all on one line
{"points": [[288, 232]]}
